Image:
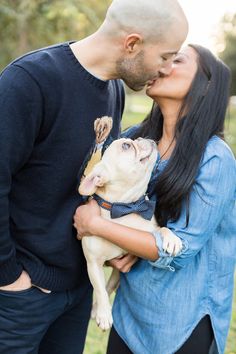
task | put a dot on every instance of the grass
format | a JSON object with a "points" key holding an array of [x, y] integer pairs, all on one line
{"points": [[231, 342], [137, 107]]}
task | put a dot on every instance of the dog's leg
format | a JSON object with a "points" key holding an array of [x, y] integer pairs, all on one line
{"points": [[102, 312], [113, 281], [112, 284]]}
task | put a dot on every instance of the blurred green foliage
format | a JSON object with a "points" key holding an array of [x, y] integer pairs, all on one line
{"points": [[30, 24], [228, 55]]}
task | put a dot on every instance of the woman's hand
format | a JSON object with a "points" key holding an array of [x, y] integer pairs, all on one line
{"points": [[86, 221], [123, 263], [86, 218]]}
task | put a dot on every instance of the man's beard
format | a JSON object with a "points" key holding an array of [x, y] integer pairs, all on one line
{"points": [[132, 72]]}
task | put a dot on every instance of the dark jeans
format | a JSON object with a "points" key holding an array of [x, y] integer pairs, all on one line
{"points": [[33, 322], [198, 343]]}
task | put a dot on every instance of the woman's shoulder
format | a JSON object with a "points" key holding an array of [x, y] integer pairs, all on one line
{"points": [[218, 160], [130, 132], [218, 148]]}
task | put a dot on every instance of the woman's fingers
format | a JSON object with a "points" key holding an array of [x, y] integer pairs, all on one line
{"points": [[84, 217], [124, 263]]}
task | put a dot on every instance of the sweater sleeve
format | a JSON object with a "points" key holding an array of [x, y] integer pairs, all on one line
{"points": [[20, 116]]}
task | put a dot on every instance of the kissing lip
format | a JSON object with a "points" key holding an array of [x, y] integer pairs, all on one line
{"points": [[155, 78], [151, 82]]}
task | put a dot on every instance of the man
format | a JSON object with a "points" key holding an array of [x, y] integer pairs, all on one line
{"points": [[49, 100]]}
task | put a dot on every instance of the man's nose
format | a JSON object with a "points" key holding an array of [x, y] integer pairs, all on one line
{"points": [[166, 68]]}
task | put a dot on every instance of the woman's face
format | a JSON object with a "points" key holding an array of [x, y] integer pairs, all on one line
{"points": [[176, 85]]}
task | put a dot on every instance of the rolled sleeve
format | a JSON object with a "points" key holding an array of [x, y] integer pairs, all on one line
{"points": [[165, 260], [211, 198]]}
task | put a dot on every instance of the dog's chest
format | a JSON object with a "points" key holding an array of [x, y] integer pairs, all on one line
{"points": [[100, 249]]}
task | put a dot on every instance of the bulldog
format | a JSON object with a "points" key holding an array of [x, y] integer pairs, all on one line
{"points": [[119, 183]]}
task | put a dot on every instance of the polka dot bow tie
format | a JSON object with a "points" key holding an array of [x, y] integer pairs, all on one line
{"points": [[143, 206]]}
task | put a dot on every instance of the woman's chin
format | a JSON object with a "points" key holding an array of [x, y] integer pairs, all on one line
{"points": [[149, 92]]}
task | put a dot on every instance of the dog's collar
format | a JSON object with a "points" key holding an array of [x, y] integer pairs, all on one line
{"points": [[142, 206]]}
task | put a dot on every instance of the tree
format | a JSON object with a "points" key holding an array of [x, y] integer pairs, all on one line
{"points": [[228, 55], [29, 24]]}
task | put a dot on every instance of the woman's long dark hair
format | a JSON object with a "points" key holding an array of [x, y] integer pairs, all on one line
{"points": [[204, 110]]}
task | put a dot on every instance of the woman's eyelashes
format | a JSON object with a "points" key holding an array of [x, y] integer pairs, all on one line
{"points": [[176, 61], [179, 59]]}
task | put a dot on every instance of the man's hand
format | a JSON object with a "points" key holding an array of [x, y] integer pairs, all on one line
{"points": [[123, 263], [22, 283]]}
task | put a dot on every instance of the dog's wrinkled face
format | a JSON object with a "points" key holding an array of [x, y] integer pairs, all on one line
{"points": [[126, 162], [131, 156]]}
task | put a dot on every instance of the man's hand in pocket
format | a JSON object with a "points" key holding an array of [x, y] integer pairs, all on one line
{"points": [[22, 283]]}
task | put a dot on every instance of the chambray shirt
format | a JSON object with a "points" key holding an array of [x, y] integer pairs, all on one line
{"points": [[158, 304]]}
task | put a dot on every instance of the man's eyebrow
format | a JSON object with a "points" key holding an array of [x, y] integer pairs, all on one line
{"points": [[170, 53]]}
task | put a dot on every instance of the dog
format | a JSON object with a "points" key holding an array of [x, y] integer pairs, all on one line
{"points": [[121, 176]]}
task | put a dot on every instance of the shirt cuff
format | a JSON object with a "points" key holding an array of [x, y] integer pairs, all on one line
{"points": [[165, 259], [10, 271]]}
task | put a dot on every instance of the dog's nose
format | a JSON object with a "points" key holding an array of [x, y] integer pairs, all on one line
{"points": [[144, 140], [143, 144]]}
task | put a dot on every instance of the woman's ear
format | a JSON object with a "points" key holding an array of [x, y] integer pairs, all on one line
{"points": [[97, 178]]}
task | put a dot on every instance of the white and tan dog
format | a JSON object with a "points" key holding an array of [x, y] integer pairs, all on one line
{"points": [[121, 176]]}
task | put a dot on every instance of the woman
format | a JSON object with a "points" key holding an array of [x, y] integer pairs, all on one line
{"points": [[180, 304]]}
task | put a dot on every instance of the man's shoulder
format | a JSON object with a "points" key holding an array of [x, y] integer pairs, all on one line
{"points": [[47, 66], [38, 55], [41, 64]]}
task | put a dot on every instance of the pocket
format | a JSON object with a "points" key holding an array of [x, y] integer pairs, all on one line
{"points": [[17, 292]]}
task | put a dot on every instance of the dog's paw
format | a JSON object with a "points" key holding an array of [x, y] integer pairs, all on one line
{"points": [[172, 244], [102, 128], [103, 318]]}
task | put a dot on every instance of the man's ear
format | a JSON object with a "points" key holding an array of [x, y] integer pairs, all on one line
{"points": [[97, 178], [132, 43]]}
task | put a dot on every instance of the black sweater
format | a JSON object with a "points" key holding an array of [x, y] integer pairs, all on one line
{"points": [[48, 103]]}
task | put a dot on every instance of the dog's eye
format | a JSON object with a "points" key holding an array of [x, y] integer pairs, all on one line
{"points": [[126, 146]]}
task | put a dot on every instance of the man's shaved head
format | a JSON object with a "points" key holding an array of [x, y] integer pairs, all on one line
{"points": [[143, 37], [152, 19]]}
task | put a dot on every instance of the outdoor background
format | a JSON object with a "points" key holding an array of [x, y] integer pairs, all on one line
{"points": [[30, 24]]}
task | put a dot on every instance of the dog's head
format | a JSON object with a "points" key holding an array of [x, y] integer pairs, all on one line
{"points": [[126, 164]]}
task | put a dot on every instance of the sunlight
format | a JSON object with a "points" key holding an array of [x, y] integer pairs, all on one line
{"points": [[204, 17]]}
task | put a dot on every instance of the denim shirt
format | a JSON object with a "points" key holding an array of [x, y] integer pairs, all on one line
{"points": [[158, 304]]}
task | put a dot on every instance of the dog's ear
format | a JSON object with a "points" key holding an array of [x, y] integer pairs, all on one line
{"points": [[98, 177]]}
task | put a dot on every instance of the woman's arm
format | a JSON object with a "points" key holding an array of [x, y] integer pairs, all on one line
{"points": [[212, 193], [88, 221], [212, 199]]}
